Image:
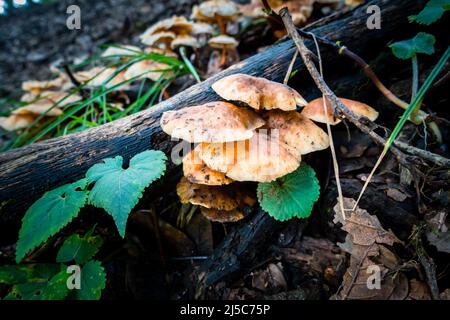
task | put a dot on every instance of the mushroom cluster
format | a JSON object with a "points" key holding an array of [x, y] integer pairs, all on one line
{"points": [[260, 140]]}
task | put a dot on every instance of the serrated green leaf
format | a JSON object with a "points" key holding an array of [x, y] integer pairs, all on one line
{"points": [[49, 282], [16, 274], [49, 214], [432, 12], [79, 249], [290, 196], [56, 288], [93, 281], [118, 190], [421, 43]]}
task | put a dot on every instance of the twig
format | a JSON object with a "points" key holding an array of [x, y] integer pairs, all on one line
{"points": [[291, 65], [344, 51], [330, 137], [426, 155], [364, 124]]}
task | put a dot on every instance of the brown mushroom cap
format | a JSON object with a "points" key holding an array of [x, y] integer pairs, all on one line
{"points": [[259, 159], [175, 24], [222, 215], [217, 197], [41, 104], [16, 122], [215, 121], [209, 10], [98, 75], [196, 171], [150, 69], [202, 28], [36, 87], [223, 41], [164, 37], [314, 110], [299, 134], [259, 93], [185, 41]]}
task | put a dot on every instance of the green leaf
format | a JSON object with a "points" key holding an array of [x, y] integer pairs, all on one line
{"points": [[56, 288], [118, 190], [290, 196], [79, 249], [49, 214], [421, 43], [432, 12], [93, 281], [16, 274], [52, 286]]}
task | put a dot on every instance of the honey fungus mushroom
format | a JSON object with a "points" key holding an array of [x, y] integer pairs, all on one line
{"points": [[219, 11], [260, 158], [164, 31], [314, 110], [196, 171], [150, 69], [211, 122], [217, 203], [258, 93], [227, 44], [298, 134]]}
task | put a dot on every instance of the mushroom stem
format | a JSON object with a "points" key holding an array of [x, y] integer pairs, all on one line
{"points": [[223, 56], [222, 24]]}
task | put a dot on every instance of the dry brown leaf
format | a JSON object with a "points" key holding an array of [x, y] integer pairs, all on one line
{"points": [[418, 290], [364, 228]]}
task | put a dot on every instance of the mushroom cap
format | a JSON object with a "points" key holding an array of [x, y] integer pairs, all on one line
{"points": [[150, 69], [16, 122], [160, 37], [202, 28], [206, 196], [163, 52], [209, 10], [314, 110], [215, 121], [222, 215], [46, 100], [123, 50], [258, 93], [185, 41], [299, 134], [175, 24], [98, 75], [259, 159], [223, 41], [37, 87], [196, 171]]}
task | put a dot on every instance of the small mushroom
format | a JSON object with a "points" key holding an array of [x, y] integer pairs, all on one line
{"points": [[36, 87], [176, 24], [150, 69], [299, 134], [224, 42], [184, 41], [219, 203], [258, 93], [220, 11], [196, 171], [215, 121], [16, 122], [161, 39], [314, 110], [258, 159], [98, 76]]}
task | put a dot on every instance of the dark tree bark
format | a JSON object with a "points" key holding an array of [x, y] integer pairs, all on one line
{"points": [[29, 171]]}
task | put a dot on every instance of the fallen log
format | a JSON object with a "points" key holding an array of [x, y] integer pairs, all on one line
{"points": [[28, 172]]}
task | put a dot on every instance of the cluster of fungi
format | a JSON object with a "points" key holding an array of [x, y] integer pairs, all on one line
{"points": [[258, 138], [210, 32]]}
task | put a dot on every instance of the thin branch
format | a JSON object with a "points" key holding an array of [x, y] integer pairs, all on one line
{"points": [[291, 65], [364, 124], [343, 50]]}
